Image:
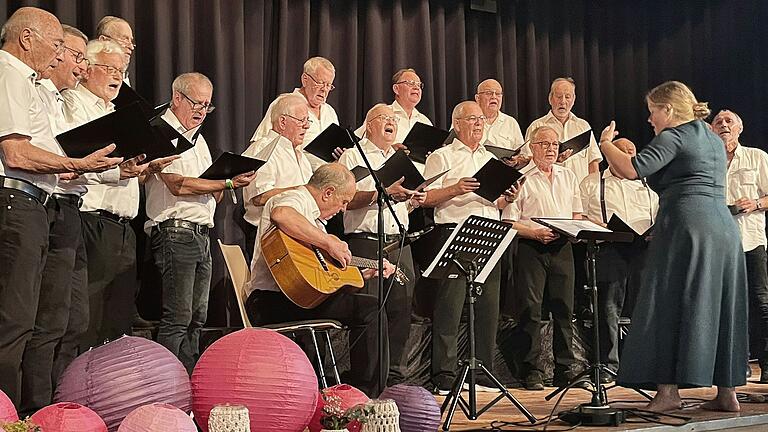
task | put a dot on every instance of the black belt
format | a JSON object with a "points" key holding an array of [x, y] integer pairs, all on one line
{"points": [[388, 238], [110, 216], [74, 200], [180, 223], [25, 187]]}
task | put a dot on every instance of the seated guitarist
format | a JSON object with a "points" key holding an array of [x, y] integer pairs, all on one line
{"points": [[299, 213]]}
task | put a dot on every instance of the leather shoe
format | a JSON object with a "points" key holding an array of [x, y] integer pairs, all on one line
{"points": [[139, 322], [534, 382]]}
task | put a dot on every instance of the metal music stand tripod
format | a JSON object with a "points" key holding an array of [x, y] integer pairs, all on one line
{"points": [[596, 412], [472, 250]]}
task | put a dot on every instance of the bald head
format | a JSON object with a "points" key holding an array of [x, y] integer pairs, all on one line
{"points": [[489, 97], [626, 146], [35, 37], [468, 121], [333, 187]]}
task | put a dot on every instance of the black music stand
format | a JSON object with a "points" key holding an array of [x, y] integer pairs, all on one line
{"points": [[597, 412], [472, 250]]}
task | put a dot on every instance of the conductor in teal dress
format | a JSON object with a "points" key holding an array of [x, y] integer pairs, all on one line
{"points": [[689, 327]]}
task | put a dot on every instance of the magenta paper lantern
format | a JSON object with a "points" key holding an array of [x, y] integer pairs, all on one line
{"points": [[350, 396], [419, 411], [157, 417], [7, 410], [261, 370], [68, 417], [116, 378]]}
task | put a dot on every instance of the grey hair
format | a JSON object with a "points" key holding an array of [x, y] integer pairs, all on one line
{"points": [[184, 82], [399, 74], [24, 17], [96, 47], [311, 65], [458, 110], [727, 111], [74, 32], [105, 23], [333, 175], [569, 80], [284, 105], [541, 129], [369, 115]]}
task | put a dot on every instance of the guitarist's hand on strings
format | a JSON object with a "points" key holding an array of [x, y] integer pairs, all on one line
{"points": [[339, 250]]}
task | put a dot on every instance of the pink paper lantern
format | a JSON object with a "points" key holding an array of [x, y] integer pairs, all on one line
{"points": [[116, 378], [262, 370], [7, 410], [349, 396], [157, 417], [419, 411], [68, 417]]}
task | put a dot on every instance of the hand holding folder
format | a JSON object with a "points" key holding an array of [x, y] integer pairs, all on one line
{"points": [[334, 136], [424, 139], [495, 177]]}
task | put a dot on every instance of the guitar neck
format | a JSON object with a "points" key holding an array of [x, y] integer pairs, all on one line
{"points": [[365, 263]]}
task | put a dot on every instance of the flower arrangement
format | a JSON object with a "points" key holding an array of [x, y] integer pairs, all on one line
{"points": [[20, 426], [334, 418]]}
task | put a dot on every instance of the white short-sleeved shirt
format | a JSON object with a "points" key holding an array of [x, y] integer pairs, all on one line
{"points": [[282, 169], [461, 162], [327, 116], [632, 200], [298, 199], [747, 177], [504, 132], [538, 197], [161, 203], [365, 219], [23, 112], [404, 123], [578, 163], [122, 199]]}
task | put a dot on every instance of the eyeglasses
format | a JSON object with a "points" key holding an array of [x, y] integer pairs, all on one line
{"points": [[122, 41], [318, 84], [304, 121], [491, 93], [78, 56], [475, 119], [199, 106], [110, 69], [58, 45], [412, 84], [386, 118], [547, 144]]}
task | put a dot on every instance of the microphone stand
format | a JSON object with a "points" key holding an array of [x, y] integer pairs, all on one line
{"points": [[382, 198]]}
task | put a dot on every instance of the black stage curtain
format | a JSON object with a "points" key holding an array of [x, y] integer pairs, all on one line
{"points": [[615, 50]]}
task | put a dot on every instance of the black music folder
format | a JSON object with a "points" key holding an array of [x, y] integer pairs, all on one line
{"points": [[127, 95], [229, 165], [577, 143], [503, 152], [332, 137], [583, 229], [495, 177], [168, 141], [397, 166], [617, 224], [424, 139]]}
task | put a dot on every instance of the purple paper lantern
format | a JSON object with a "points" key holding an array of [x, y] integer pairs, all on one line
{"points": [[116, 378], [419, 411], [68, 417], [7, 410], [157, 418], [261, 370]]}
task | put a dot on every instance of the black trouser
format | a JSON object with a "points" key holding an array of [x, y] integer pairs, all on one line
{"points": [[449, 305], [757, 278], [398, 306], [77, 325], [545, 272], [23, 246], [111, 250], [357, 311], [53, 308]]}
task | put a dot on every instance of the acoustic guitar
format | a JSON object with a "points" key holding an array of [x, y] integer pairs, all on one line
{"points": [[306, 274]]}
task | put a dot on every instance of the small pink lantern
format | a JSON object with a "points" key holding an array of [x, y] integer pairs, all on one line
{"points": [[157, 417], [349, 396], [261, 370], [68, 417], [7, 410]]}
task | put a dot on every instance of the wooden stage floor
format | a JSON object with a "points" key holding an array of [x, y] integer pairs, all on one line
{"points": [[753, 416]]}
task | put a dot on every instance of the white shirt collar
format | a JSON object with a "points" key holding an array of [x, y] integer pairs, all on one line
{"points": [[19, 65], [92, 99]]}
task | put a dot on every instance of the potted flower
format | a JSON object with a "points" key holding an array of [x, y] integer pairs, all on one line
{"points": [[335, 419]]}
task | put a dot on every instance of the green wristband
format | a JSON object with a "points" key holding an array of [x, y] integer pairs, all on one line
{"points": [[229, 184]]}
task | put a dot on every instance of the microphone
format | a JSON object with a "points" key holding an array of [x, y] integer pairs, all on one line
{"points": [[409, 238]]}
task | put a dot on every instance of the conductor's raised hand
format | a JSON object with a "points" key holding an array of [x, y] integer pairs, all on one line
{"points": [[97, 161], [609, 133], [465, 185], [339, 250], [243, 179]]}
